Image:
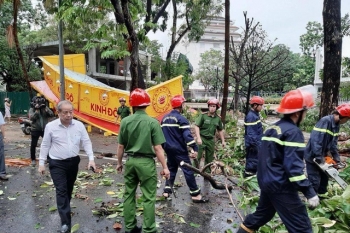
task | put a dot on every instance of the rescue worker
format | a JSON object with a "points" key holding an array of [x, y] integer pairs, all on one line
{"points": [[253, 133], [123, 110], [324, 139], [206, 125], [177, 132], [141, 138], [281, 169]]}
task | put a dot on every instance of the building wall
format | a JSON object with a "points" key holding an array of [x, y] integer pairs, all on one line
{"points": [[213, 38]]}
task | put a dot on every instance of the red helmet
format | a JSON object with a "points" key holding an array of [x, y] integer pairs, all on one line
{"points": [[295, 101], [177, 101], [344, 110], [139, 98], [214, 102], [256, 100], [121, 99]]}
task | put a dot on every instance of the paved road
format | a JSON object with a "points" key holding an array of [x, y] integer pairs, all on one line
{"points": [[26, 198]]}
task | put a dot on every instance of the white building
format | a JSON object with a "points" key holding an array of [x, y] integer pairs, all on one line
{"points": [[318, 66], [213, 38]]}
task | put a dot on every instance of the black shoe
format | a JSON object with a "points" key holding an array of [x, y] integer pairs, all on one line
{"points": [[65, 228], [3, 177], [135, 230]]}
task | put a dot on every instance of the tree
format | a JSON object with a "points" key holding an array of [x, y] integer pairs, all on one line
{"points": [[332, 56], [210, 71], [133, 20], [16, 64], [256, 61], [236, 51], [314, 36], [227, 59], [346, 67], [196, 15]]}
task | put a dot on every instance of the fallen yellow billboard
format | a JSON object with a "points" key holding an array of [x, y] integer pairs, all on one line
{"points": [[94, 102]]}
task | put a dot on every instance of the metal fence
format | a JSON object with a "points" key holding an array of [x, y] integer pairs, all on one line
{"points": [[20, 102]]}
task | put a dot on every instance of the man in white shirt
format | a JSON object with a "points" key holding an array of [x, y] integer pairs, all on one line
{"points": [[61, 142], [2, 154]]}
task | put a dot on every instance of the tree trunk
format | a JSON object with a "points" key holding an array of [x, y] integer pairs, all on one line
{"points": [[134, 56], [18, 48], [227, 60], [332, 56], [236, 94]]}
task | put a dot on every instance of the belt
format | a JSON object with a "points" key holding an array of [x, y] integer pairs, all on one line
{"points": [[139, 155]]}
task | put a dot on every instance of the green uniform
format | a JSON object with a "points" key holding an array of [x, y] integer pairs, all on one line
{"points": [[207, 128], [139, 133], [123, 111]]}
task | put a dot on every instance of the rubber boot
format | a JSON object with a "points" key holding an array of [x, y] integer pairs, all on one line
{"points": [[244, 229]]}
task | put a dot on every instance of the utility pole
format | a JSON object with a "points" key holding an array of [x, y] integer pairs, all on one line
{"points": [[61, 53]]}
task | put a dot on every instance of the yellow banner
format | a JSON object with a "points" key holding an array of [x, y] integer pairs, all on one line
{"points": [[100, 101]]}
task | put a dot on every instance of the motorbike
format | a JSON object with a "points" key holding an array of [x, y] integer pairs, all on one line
{"points": [[26, 125]]}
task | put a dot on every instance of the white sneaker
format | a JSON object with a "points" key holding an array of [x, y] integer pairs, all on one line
{"points": [[33, 163]]}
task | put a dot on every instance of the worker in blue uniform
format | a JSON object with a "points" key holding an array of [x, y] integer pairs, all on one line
{"points": [[281, 169], [252, 135], [324, 139], [177, 132]]}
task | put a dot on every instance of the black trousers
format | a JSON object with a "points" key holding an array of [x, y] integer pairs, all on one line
{"points": [[289, 207], [317, 177], [35, 138], [63, 174]]}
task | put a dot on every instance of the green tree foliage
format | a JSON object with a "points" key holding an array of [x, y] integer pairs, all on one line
{"points": [[346, 67], [11, 70], [210, 72], [313, 38]]}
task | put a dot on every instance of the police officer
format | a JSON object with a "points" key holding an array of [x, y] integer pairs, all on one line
{"points": [[178, 136], [280, 169], [206, 126], [324, 138], [141, 137], [123, 110], [253, 134]]}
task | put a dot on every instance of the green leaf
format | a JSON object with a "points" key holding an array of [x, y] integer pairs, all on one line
{"points": [[113, 215], [98, 200], [194, 225], [37, 226], [182, 220], [75, 228], [346, 194], [53, 208]]}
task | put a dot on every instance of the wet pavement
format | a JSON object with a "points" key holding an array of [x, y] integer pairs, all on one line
{"points": [[28, 199]]}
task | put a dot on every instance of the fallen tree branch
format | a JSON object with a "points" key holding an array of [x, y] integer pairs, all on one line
{"points": [[212, 181]]}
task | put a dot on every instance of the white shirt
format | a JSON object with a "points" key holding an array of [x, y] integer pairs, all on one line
{"points": [[61, 142]]}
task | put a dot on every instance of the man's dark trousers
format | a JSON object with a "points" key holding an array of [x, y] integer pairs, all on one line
{"points": [[63, 174], [290, 208], [173, 162], [35, 138]]}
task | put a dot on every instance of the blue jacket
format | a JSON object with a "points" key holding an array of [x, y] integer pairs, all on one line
{"points": [[253, 129], [323, 138], [177, 132], [281, 165]]}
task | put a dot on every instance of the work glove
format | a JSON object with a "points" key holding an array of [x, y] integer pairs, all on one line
{"points": [[313, 202], [340, 165]]}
